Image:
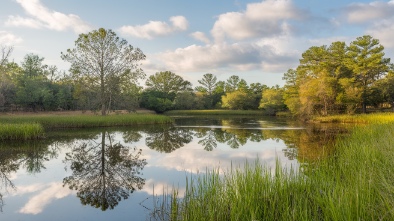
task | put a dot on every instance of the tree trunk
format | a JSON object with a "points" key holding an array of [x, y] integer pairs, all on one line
{"points": [[103, 110]]}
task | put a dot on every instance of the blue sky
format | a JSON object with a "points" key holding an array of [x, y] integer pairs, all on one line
{"points": [[256, 40]]}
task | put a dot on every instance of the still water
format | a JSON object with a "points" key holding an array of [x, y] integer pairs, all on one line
{"points": [[114, 173]]}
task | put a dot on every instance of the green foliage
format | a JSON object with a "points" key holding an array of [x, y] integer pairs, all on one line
{"points": [[367, 62], [167, 82], [157, 100], [337, 79], [104, 63], [272, 100], [237, 100]]}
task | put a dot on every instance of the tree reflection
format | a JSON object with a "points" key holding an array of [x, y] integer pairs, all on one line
{"points": [[8, 165], [209, 141], [168, 139], [104, 173]]}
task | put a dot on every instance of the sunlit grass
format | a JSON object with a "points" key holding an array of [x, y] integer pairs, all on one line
{"points": [[24, 131], [84, 121], [359, 118], [355, 183], [216, 112]]}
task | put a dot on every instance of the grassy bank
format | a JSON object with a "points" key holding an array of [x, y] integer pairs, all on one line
{"points": [[83, 121], [356, 183], [24, 131], [216, 112], [359, 118]]}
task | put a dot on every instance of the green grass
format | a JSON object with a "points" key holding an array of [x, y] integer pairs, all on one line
{"points": [[355, 183], [359, 118], [85, 121], [216, 112], [24, 131]]}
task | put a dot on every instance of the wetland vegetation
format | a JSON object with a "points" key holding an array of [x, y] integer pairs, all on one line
{"points": [[354, 182]]}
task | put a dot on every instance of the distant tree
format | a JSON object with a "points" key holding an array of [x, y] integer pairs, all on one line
{"points": [[103, 60], [167, 82], [232, 83], [272, 100], [208, 85], [237, 100]]}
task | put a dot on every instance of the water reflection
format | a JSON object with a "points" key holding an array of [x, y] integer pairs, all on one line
{"points": [[303, 142], [16, 155], [104, 168], [168, 138], [104, 172]]}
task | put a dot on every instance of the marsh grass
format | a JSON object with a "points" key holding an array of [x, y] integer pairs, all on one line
{"points": [[355, 183], [22, 131], [359, 118], [85, 121], [216, 112]]}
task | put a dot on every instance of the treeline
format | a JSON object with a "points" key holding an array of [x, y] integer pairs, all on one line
{"points": [[331, 79]]}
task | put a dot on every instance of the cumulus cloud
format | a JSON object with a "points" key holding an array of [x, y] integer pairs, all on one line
{"points": [[156, 28], [200, 36], [239, 56], [369, 12], [9, 39], [42, 17], [265, 19]]}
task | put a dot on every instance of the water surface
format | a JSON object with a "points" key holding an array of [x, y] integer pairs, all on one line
{"points": [[113, 173]]}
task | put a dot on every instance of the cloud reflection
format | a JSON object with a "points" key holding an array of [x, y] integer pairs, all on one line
{"points": [[37, 203]]}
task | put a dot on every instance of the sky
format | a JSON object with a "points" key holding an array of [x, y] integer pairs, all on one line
{"points": [[255, 40]]}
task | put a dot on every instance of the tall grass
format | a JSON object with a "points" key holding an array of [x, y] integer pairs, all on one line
{"points": [[359, 118], [83, 121], [355, 183], [216, 112], [24, 131]]}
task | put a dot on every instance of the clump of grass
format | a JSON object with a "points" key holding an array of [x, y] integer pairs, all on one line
{"points": [[24, 131], [359, 118], [216, 112], [355, 183], [85, 121]]}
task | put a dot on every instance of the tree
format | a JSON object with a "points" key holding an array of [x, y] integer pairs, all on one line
{"points": [[366, 60], [272, 100], [105, 61], [167, 82], [232, 83], [208, 84], [237, 100]]}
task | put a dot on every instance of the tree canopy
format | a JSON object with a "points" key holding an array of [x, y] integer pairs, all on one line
{"points": [[104, 61]]}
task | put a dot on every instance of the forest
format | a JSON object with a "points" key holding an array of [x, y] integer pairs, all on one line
{"points": [[334, 79]]}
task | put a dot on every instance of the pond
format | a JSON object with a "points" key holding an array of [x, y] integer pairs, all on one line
{"points": [[114, 173]]}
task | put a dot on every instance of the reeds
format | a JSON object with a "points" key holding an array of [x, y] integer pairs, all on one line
{"points": [[85, 121], [24, 131], [359, 118], [355, 183]]}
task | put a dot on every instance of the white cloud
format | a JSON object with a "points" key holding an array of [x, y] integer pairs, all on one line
{"points": [[200, 36], [238, 56], [384, 31], [362, 12], [9, 39], [265, 19], [42, 17], [37, 203], [156, 28]]}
